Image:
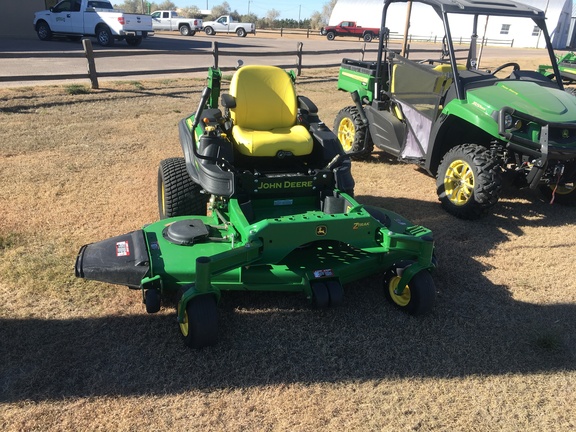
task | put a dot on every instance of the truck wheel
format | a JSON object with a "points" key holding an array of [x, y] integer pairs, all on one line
{"points": [[185, 30], [563, 194], [240, 32], [368, 37], [209, 31], [178, 195], [200, 325], [104, 36], [134, 41], [43, 31], [468, 181], [330, 35], [418, 296], [352, 132]]}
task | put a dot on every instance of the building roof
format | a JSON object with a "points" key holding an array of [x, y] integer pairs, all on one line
{"points": [[482, 7]]}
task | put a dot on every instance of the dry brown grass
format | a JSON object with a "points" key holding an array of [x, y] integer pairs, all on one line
{"points": [[498, 353]]}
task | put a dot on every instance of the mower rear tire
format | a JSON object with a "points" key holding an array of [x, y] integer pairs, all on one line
{"points": [[418, 296], [178, 195], [152, 300], [352, 133], [469, 181], [200, 325]]}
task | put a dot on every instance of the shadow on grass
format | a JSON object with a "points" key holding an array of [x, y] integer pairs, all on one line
{"points": [[477, 328]]}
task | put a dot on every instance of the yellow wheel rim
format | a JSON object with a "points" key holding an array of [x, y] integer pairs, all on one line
{"points": [[459, 182], [564, 189], [184, 325], [346, 132], [163, 198], [402, 299]]}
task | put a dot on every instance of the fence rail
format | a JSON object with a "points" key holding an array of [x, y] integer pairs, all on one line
{"points": [[93, 74]]}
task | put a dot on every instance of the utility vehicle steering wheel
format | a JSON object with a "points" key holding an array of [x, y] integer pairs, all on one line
{"points": [[515, 65]]}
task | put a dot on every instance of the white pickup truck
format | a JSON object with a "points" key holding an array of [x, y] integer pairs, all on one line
{"points": [[77, 18], [170, 20], [225, 24]]}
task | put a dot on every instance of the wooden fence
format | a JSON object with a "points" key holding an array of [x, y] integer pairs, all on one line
{"points": [[298, 53]]}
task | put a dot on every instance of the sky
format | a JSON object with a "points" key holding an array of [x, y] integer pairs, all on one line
{"points": [[289, 9]]}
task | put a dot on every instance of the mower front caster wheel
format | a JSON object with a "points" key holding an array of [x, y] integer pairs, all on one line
{"points": [[417, 298], [200, 325], [152, 300], [327, 294]]}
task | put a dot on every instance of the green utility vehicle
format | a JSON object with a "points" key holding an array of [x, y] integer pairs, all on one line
{"points": [[261, 201], [467, 126]]}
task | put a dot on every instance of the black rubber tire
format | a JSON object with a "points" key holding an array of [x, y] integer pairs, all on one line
{"points": [[178, 195], [134, 41], [330, 35], [185, 30], [152, 300], [563, 195], [201, 327], [472, 199], [104, 36], [240, 32], [320, 295], [43, 31], [418, 297], [368, 37], [336, 293], [351, 133], [209, 31]]}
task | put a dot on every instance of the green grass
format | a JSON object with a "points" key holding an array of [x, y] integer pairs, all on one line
{"points": [[76, 89]]}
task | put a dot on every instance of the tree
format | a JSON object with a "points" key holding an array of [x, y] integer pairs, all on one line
{"points": [[250, 18], [219, 10], [316, 20], [271, 16], [191, 12], [130, 6], [167, 5], [327, 10]]}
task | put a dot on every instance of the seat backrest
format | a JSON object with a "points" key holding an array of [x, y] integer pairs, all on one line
{"points": [[265, 98]]}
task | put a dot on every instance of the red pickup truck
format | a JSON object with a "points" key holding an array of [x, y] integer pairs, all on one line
{"points": [[349, 28]]}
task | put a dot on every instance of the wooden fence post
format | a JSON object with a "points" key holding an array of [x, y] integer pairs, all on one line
{"points": [[215, 53], [87, 44], [299, 56]]}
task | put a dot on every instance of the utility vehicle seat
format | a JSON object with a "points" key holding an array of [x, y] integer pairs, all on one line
{"points": [[263, 107]]}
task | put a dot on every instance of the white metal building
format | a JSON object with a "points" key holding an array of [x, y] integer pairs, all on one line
{"points": [[425, 22]]}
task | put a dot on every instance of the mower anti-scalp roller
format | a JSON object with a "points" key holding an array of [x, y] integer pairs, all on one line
{"points": [[278, 215]]}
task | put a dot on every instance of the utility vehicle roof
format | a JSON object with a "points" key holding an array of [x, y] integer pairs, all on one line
{"points": [[481, 7]]}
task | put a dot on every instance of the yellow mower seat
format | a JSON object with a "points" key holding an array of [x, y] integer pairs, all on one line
{"points": [[264, 116]]}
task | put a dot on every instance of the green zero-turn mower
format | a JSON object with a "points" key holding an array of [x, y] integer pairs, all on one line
{"points": [[261, 201]]}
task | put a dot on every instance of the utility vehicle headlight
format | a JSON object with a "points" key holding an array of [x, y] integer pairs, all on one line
{"points": [[508, 121]]}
